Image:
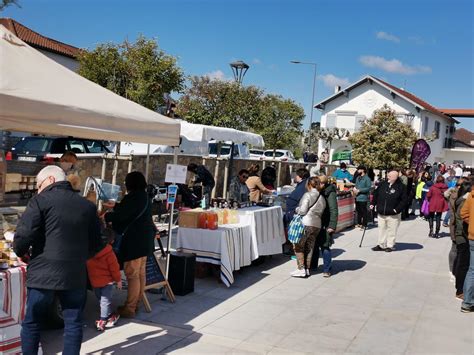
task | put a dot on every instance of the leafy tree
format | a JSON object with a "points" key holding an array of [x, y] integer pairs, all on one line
{"points": [[280, 123], [383, 141], [220, 103], [6, 3], [229, 104], [139, 71]]}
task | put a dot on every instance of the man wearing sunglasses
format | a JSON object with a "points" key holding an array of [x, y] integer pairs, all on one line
{"points": [[58, 231], [238, 190]]}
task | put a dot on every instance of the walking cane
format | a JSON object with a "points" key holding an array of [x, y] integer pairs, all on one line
{"points": [[363, 234]]}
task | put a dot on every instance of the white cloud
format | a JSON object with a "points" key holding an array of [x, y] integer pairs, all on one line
{"points": [[417, 40], [216, 75], [256, 61], [387, 36], [393, 65], [331, 81]]}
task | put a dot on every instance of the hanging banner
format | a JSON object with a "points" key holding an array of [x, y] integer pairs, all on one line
{"points": [[420, 152]]}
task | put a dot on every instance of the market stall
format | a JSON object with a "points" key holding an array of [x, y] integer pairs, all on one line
{"points": [[38, 95], [258, 231], [229, 246], [346, 208]]}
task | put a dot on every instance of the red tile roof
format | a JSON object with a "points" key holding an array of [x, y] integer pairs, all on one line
{"points": [[458, 112], [39, 41], [415, 99], [464, 135]]}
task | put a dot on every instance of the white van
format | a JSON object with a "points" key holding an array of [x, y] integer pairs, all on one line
{"points": [[241, 150]]}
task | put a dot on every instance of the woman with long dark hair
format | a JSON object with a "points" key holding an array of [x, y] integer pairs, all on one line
{"points": [[133, 217]]}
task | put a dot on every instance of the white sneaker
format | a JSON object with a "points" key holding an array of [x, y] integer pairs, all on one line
{"points": [[298, 273], [307, 272]]}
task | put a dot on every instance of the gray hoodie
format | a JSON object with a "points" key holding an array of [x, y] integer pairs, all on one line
{"points": [[311, 216]]}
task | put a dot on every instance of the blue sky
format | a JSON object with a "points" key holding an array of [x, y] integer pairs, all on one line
{"points": [[425, 46]]}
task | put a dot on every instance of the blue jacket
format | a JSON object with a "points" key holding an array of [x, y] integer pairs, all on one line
{"points": [[340, 174], [363, 184], [294, 199]]}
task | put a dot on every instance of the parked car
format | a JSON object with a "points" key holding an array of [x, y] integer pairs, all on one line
{"points": [[257, 154], [241, 151], [39, 148], [279, 154]]}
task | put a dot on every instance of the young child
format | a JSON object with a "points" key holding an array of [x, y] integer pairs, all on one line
{"points": [[104, 270]]}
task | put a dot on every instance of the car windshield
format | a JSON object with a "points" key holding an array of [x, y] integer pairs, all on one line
{"points": [[278, 154], [31, 145], [95, 147], [255, 151], [225, 149]]}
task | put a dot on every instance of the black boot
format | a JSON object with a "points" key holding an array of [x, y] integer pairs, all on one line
{"points": [[438, 227], [430, 221]]}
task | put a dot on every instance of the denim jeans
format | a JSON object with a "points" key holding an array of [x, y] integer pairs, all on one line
{"points": [[104, 295], [447, 216], [469, 282], [327, 258], [38, 301]]}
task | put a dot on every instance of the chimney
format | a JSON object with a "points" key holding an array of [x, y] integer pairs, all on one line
{"points": [[337, 88]]}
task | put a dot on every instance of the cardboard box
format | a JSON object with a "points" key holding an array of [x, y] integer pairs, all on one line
{"points": [[190, 218]]}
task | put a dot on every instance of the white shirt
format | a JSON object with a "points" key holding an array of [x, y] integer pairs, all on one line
{"points": [[458, 171]]}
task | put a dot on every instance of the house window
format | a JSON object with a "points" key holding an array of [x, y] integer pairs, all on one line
{"points": [[437, 128], [447, 130], [331, 121], [425, 126]]}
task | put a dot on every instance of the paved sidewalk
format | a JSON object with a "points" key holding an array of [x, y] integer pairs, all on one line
{"points": [[375, 303]]}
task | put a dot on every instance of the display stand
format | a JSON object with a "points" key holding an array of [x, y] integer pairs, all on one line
{"points": [[155, 279]]}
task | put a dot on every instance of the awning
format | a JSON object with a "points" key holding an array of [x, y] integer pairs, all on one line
{"points": [[203, 133], [38, 95]]}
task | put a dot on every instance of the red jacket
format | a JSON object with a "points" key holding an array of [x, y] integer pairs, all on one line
{"points": [[436, 198], [103, 268]]}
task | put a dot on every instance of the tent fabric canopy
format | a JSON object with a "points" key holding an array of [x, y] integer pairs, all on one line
{"points": [[38, 95], [203, 133]]}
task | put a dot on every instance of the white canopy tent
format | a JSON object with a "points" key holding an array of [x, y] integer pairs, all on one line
{"points": [[38, 95], [199, 132], [195, 139]]}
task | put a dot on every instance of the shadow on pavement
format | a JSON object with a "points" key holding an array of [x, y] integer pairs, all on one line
{"points": [[173, 325], [346, 265], [408, 246]]}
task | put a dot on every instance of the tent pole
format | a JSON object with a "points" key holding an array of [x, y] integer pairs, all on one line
{"points": [[279, 174], [170, 226], [228, 171], [216, 169], [147, 165]]}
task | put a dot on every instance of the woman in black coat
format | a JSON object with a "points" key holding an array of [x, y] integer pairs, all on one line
{"points": [[133, 217]]}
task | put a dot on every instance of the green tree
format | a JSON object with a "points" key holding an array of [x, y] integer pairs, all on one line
{"points": [[383, 141], [138, 70], [220, 103], [6, 3], [280, 123]]}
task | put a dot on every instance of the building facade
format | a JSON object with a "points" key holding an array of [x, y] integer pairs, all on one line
{"points": [[350, 107]]}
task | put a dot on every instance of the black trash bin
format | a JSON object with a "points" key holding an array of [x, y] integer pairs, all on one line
{"points": [[181, 273]]}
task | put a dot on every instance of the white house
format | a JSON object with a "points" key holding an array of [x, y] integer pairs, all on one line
{"points": [[349, 107]]}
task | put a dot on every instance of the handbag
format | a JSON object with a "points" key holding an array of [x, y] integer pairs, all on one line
{"points": [[296, 226], [425, 207], [119, 236]]}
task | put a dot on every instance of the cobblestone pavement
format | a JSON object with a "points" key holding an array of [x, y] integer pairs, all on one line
{"points": [[375, 303]]}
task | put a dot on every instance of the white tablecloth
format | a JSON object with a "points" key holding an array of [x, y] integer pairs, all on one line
{"points": [[229, 246], [12, 308], [268, 233]]}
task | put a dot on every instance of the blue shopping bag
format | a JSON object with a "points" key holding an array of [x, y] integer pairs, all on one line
{"points": [[295, 229]]}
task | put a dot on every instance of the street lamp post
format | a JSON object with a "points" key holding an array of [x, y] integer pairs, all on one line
{"points": [[312, 97], [239, 68]]}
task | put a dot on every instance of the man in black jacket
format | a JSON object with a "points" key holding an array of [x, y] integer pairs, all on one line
{"points": [[203, 176], [59, 230], [389, 200]]}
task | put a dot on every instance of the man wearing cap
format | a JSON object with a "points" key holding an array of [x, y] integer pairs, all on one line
{"points": [[363, 184], [389, 200]]}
